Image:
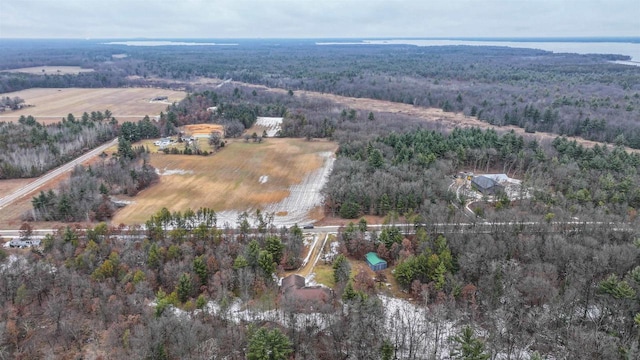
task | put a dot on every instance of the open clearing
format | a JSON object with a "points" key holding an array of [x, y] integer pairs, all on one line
{"points": [[51, 70], [202, 130], [51, 105], [229, 181]]}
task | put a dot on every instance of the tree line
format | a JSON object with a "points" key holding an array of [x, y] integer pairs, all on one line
{"points": [[86, 195], [29, 148]]}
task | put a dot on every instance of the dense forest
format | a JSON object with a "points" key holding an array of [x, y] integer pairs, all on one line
{"points": [[568, 94], [186, 288], [554, 274]]}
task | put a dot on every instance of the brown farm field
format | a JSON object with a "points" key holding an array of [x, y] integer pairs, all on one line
{"points": [[51, 70], [244, 175], [50, 105]]}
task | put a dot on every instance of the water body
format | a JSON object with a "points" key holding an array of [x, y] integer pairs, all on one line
{"points": [[165, 43], [630, 48]]}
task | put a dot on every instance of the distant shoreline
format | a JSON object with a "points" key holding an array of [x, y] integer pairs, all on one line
{"points": [[631, 49]]}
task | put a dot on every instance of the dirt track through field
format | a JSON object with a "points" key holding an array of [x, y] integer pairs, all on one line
{"points": [[295, 208]]}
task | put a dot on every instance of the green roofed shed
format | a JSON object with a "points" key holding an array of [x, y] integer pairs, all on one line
{"points": [[374, 261]]}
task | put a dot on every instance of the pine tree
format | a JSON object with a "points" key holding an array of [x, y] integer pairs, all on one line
{"points": [[184, 288], [341, 269], [200, 268], [468, 347], [267, 344]]}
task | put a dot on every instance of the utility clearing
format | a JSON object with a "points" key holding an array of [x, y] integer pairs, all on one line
{"points": [[280, 176]]}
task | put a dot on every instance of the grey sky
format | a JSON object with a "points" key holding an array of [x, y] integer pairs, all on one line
{"points": [[317, 18]]}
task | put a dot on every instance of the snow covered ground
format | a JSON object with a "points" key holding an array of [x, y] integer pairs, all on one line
{"points": [[167, 172], [419, 331], [273, 124]]}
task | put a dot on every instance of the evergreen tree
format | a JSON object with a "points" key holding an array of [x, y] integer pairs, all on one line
{"points": [[275, 247], [341, 269], [185, 287], [265, 261], [267, 344], [468, 347], [200, 268]]}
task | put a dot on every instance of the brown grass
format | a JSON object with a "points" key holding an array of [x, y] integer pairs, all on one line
{"points": [[50, 105], [228, 180], [50, 70], [202, 129], [11, 216], [324, 275], [7, 186]]}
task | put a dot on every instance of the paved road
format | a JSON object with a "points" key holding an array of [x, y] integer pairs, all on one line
{"points": [[37, 183], [321, 232]]}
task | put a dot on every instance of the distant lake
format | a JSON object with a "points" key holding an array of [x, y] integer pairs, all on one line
{"points": [[164, 43], [576, 47]]}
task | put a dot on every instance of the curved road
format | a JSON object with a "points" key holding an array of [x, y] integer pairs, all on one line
{"points": [[37, 183]]}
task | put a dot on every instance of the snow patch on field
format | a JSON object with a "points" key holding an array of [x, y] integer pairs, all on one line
{"points": [[305, 196], [272, 124], [167, 172], [263, 179]]}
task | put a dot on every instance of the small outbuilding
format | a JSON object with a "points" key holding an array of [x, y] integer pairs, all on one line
{"points": [[486, 185], [374, 262]]}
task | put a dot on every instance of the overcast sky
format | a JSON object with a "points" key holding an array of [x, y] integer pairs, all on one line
{"points": [[317, 18]]}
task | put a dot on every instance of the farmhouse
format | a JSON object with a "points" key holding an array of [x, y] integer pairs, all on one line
{"points": [[163, 142], [486, 185], [301, 298], [374, 262]]}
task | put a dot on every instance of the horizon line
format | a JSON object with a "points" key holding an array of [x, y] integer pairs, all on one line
{"points": [[469, 38]]}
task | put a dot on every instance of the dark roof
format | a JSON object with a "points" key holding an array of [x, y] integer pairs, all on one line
{"points": [[484, 182], [373, 259], [292, 282], [299, 297], [316, 293]]}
